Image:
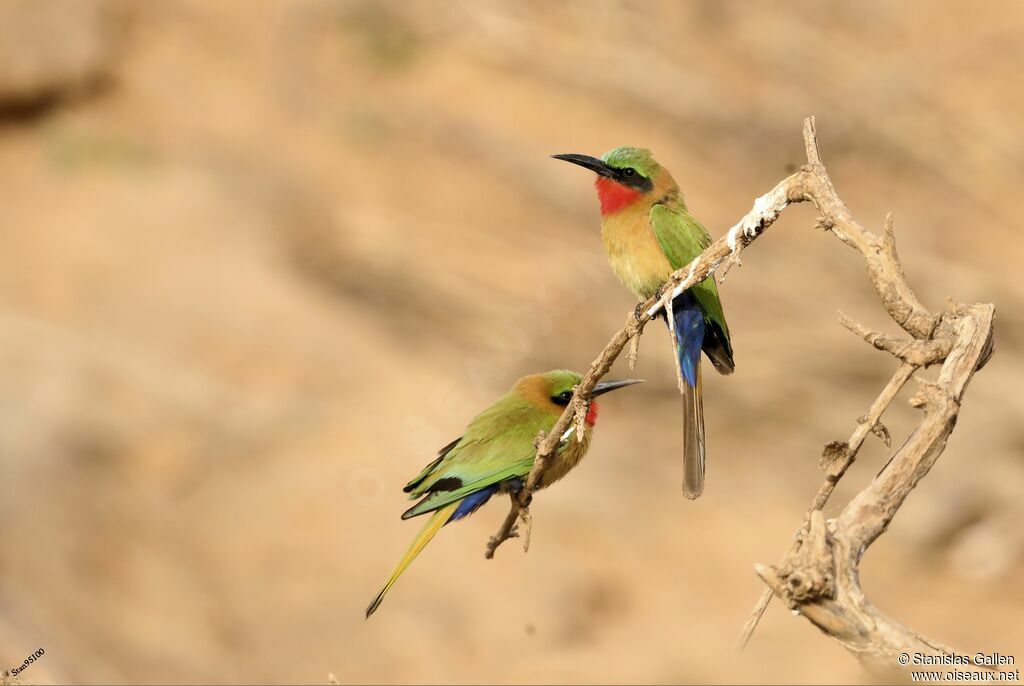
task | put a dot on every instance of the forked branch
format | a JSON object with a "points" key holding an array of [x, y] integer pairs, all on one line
{"points": [[818, 577]]}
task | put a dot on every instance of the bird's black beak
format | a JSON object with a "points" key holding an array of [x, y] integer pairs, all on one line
{"points": [[587, 162], [605, 386]]}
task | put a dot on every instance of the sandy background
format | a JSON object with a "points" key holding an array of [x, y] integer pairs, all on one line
{"points": [[261, 259]]}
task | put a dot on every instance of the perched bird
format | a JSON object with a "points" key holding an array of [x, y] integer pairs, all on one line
{"points": [[495, 454], [649, 234]]}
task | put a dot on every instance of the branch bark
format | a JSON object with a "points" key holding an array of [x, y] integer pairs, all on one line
{"points": [[818, 577]]}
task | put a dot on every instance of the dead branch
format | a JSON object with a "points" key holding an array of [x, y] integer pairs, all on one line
{"points": [[818, 576], [919, 353], [833, 599], [961, 337]]}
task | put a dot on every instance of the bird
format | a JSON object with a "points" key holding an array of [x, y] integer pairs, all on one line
{"points": [[648, 233], [495, 454]]}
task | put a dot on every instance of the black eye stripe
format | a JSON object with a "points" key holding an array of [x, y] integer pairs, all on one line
{"points": [[562, 398], [629, 176]]}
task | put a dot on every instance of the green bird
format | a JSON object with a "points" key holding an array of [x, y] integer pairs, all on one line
{"points": [[648, 234], [495, 454]]}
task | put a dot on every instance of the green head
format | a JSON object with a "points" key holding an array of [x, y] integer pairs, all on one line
{"points": [[639, 160], [558, 385], [553, 391]]}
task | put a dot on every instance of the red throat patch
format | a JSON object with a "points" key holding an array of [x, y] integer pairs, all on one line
{"points": [[592, 414], [614, 196]]}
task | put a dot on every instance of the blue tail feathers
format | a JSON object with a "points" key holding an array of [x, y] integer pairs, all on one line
{"points": [[688, 327]]}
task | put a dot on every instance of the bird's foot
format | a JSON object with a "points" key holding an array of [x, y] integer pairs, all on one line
{"points": [[658, 292], [515, 488], [638, 313]]}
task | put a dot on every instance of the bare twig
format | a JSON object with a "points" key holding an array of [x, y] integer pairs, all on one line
{"points": [[839, 608], [919, 353], [634, 351], [835, 460]]}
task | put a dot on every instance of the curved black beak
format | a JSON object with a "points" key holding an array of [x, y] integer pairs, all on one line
{"points": [[587, 162], [605, 386]]}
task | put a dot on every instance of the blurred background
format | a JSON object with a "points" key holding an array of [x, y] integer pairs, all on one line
{"points": [[261, 259]]}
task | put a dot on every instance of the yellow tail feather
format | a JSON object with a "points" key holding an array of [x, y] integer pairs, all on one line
{"points": [[433, 525]]}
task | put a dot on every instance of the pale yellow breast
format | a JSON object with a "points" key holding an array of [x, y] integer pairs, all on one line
{"points": [[633, 250], [567, 459]]}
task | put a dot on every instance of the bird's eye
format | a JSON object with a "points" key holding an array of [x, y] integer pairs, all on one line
{"points": [[629, 171], [562, 398]]}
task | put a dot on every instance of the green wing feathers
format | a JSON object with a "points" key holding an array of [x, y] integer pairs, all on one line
{"points": [[498, 445], [440, 498], [681, 236], [411, 486], [682, 239]]}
